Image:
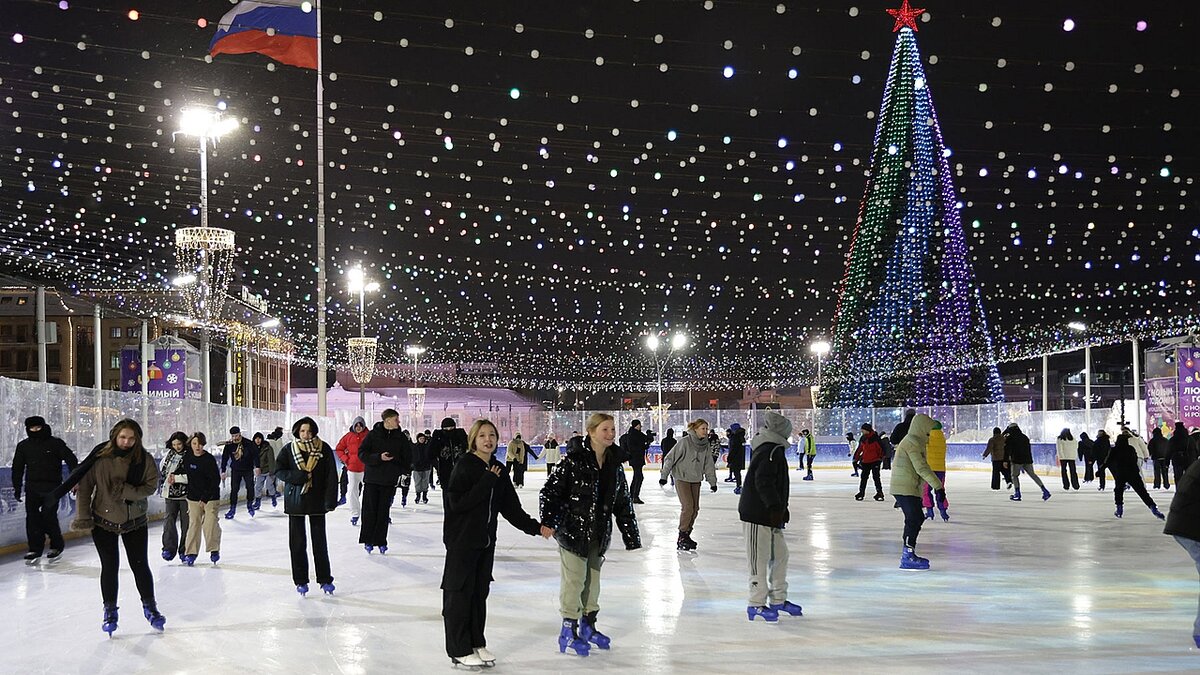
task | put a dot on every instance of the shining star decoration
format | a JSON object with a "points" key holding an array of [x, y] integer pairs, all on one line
{"points": [[909, 300]]}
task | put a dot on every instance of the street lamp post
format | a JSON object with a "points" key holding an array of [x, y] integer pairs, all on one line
{"points": [[415, 352], [1079, 327], [678, 342], [360, 285], [820, 348]]}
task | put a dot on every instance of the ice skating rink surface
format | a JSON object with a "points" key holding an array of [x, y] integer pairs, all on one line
{"points": [[1032, 587]]}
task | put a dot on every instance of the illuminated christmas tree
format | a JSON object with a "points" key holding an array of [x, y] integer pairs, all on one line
{"points": [[910, 327]]}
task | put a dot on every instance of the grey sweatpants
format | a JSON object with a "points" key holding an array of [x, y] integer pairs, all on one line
{"points": [[768, 555], [1017, 469]]}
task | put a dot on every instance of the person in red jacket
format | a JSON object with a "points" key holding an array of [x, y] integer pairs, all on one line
{"points": [[870, 456], [347, 452]]}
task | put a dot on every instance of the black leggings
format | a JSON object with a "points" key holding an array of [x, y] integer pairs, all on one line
{"points": [[869, 469], [914, 517], [1135, 482], [110, 562]]}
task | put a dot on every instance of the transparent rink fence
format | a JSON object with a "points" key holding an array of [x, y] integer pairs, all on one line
{"points": [[83, 417]]}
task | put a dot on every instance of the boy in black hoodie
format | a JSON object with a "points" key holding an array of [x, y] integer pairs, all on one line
{"points": [[38, 464], [386, 453], [763, 510]]}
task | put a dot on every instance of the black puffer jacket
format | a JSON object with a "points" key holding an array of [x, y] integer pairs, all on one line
{"points": [[1184, 518], [764, 498], [1017, 447], [580, 499], [474, 498], [737, 449], [378, 441], [1122, 461], [1178, 443], [38, 462]]}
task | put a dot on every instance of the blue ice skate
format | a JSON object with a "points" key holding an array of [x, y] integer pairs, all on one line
{"points": [[769, 615], [788, 607]]}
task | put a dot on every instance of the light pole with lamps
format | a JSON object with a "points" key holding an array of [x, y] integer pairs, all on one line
{"points": [[678, 342], [416, 395], [1080, 327], [821, 347], [360, 285], [415, 352]]}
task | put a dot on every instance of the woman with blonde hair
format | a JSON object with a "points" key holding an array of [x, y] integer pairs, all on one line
{"points": [[479, 490], [578, 503], [112, 503], [690, 462]]}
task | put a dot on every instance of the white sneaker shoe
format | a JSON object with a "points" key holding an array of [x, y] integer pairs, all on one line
{"points": [[486, 656], [470, 661]]}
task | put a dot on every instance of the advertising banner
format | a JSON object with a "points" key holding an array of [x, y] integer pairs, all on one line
{"points": [[1188, 360], [167, 372]]}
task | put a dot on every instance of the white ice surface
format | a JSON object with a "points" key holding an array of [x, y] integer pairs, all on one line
{"points": [[1054, 587]]}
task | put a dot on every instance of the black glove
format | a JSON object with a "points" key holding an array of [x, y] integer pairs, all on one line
{"points": [[662, 481], [941, 496], [714, 488]]}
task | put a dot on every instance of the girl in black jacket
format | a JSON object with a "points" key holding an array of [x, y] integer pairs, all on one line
{"points": [[1100, 449], [310, 480], [1123, 462], [578, 503], [479, 489]]}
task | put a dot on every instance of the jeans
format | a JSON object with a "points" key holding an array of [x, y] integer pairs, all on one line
{"points": [[1162, 473], [298, 545], [135, 542], [264, 485], [174, 538], [41, 521], [373, 529], [1068, 465], [869, 469], [914, 517], [635, 486], [1193, 548], [241, 478]]}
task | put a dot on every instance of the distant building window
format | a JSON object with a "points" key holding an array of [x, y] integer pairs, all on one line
{"points": [[6, 329], [6, 300], [132, 332], [22, 300], [114, 332], [114, 360], [6, 359]]}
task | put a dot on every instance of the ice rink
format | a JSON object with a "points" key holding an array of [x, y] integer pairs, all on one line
{"points": [[1054, 587]]}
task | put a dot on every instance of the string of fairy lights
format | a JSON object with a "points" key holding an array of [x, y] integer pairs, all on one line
{"points": [[539, 195]]}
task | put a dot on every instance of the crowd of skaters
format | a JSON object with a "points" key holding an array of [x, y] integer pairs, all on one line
{"points": [[585, 492]]}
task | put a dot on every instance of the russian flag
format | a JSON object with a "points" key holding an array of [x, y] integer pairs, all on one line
{"points": [[285, 30]]}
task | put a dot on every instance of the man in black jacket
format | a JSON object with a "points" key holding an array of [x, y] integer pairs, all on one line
{"points": [[763, 508], [634, 444], [37, 466], [239, 456], [449, 443], [386, 453]]}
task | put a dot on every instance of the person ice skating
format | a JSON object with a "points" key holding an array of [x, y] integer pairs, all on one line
{"points": [[551, 451], [689, 463], [634, 444], [518, 456], [995, 449], [935, 456], [910, 472], [198, 473], [478, 492], [1100, 449], [422, 469], [1087, 456], [386, 453], [869, 453], [737, 455], [807, 443], [901, 428], [852, 446], [1067, 449], [668, 443], [1122, 461], [1181, 457], [763, 509], [1139, 446], [449, 443], [240, 458], [264, 482], [114, 486], [310, 479], [1020, 456], [1160, 454], [347, 453], [37, 469], [1183, 523], [578, 504], [175, 521]]}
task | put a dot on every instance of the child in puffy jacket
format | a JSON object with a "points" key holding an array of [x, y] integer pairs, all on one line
{"points": [[935, 454]]}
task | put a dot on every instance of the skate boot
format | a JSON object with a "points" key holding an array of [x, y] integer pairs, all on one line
{"points": [[568, 638], [229, 514], [859, 497], [788, 607], [258, 504], [368, 548], [769, 615], [878, 496], [909, 560], [1045, 494], [214, 556], [251, 510], [54, 555], [383, 549], [687, 537], [682, 543], [188, 560], [737, 490], [302, 589], [1016, 495], [470, 661], [157, 620], [403, 501], [168, 555], [929, 513], [809, 476], [274, 501], [354, 520], [110, 619], [1153, 509], [32, 557], [329, 588], [342, 500], [1120, 510], [588, 632], [945, 514], [485, 655]]}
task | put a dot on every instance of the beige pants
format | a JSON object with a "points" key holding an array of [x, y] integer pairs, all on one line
{"points": [[579, 593], [203, 519], [689, 499]]}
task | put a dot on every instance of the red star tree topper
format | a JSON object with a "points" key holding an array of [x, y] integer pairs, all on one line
{"points": [[905, 16]]}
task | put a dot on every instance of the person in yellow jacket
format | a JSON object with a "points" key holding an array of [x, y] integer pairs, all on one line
{"points": [[935, 453], [910, 470]]}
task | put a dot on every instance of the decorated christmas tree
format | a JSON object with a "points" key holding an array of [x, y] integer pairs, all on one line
{"points": [[910, 327]]}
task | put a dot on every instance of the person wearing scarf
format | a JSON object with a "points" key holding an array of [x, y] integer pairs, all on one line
{"points": [[307, 470]]}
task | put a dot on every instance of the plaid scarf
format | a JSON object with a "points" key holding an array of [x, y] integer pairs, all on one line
{"points": [[307, 454], [237, 454]]}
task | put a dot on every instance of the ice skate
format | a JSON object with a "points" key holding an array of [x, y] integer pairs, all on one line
{"points": [[1045, 494], [929, 513], [54, 555], [32, 558], [188, 560], [229, 514], [328, 588], [909, 560], [110, 619], [214, 556], [1015, 496], [488, 658], [302, 589], [737, 490], [769, 615], [568, 638], [354, 520], [788, 607], [1120, 511], [1153, 509], [383, 549], [150, 611], [274, 501], [368, 548], [878, 496], [588, 632], [809, 476], [945, 514], [470, 661], [859, 497], [168, 555]]}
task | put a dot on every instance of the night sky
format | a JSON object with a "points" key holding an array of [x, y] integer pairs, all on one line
{"points": [[630, 187]]}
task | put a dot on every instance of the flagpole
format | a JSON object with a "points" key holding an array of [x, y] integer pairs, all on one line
{"points": [[322, 349]]}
